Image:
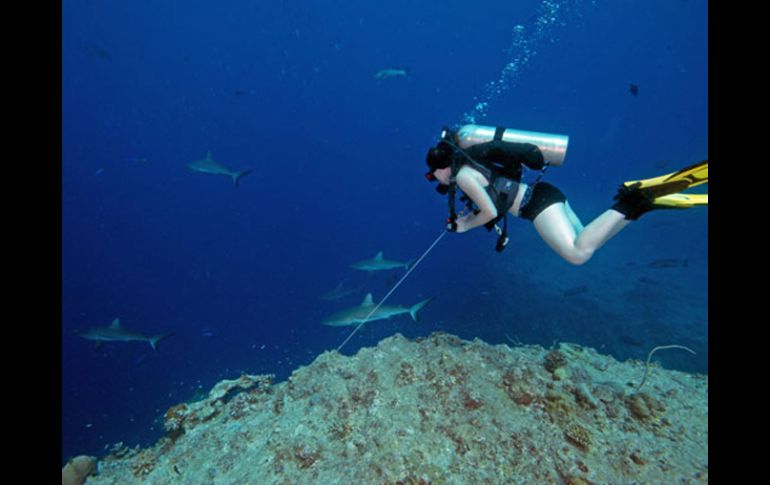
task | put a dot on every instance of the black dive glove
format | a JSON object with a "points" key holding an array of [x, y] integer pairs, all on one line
{"points": [[632, 202]]}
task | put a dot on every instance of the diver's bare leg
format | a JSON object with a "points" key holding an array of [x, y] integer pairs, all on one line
{"points": [[556, 227], [601, 230], [573, 218]]}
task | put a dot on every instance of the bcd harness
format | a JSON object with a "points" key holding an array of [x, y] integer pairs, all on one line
{"points": [[501, 164]]}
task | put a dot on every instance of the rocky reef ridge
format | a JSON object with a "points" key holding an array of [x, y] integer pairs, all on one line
{"points": [[438, 410]]}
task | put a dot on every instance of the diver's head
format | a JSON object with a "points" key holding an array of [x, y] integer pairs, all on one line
{"points": [[440, 157], [439, 160]]}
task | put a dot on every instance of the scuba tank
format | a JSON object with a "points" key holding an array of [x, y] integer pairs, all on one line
{"points": [[553, 147]]}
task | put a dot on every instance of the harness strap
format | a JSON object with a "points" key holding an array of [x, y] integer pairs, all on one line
{"points": [[452, 221], [499, 130], [502, 235], [452, 192], [527, 196], [542, 172], [531, 188]]}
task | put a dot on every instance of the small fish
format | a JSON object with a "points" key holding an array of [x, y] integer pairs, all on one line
{"points": [[629, 340], [99, 172], [668, 263], [648, 281], [94, 50], [633, 89], [392, 72]]}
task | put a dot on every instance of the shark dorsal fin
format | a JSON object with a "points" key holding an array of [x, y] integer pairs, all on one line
{"points": [[115, 323], [368, 300], [378, 256]]}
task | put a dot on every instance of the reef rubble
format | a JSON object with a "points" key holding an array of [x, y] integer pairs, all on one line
{"points": [[435, 410]]}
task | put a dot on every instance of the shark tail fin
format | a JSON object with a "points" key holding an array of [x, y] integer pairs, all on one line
{"points": [[154, 340], [417, 307], [410, 263], [237, 177]]}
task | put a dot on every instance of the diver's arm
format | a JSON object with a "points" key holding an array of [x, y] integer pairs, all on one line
{"points": [[474, 190]]}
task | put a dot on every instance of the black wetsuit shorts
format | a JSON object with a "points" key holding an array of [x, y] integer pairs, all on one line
{"points": [[543, 196]]}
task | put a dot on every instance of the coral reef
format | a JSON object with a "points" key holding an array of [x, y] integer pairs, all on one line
{"points": [[578, 435], [180, 416], [554, 360], [436, 410]]}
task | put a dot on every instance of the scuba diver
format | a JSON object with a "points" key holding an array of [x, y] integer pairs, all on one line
{"points": [[485, 163]]}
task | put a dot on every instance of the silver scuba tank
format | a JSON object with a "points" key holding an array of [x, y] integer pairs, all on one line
{"points": [[553, 147]]}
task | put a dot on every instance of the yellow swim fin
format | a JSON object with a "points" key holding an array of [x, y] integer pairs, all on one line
{"points": [[637, 197], [674, 182], [681, 201]]}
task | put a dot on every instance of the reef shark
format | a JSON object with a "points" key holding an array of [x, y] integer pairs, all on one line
{"points": [[116, 333], [378, 263], [391, 72], [357, 314], [209, 165]]}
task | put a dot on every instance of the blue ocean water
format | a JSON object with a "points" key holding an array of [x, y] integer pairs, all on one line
{"points": [[287, 90]]}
